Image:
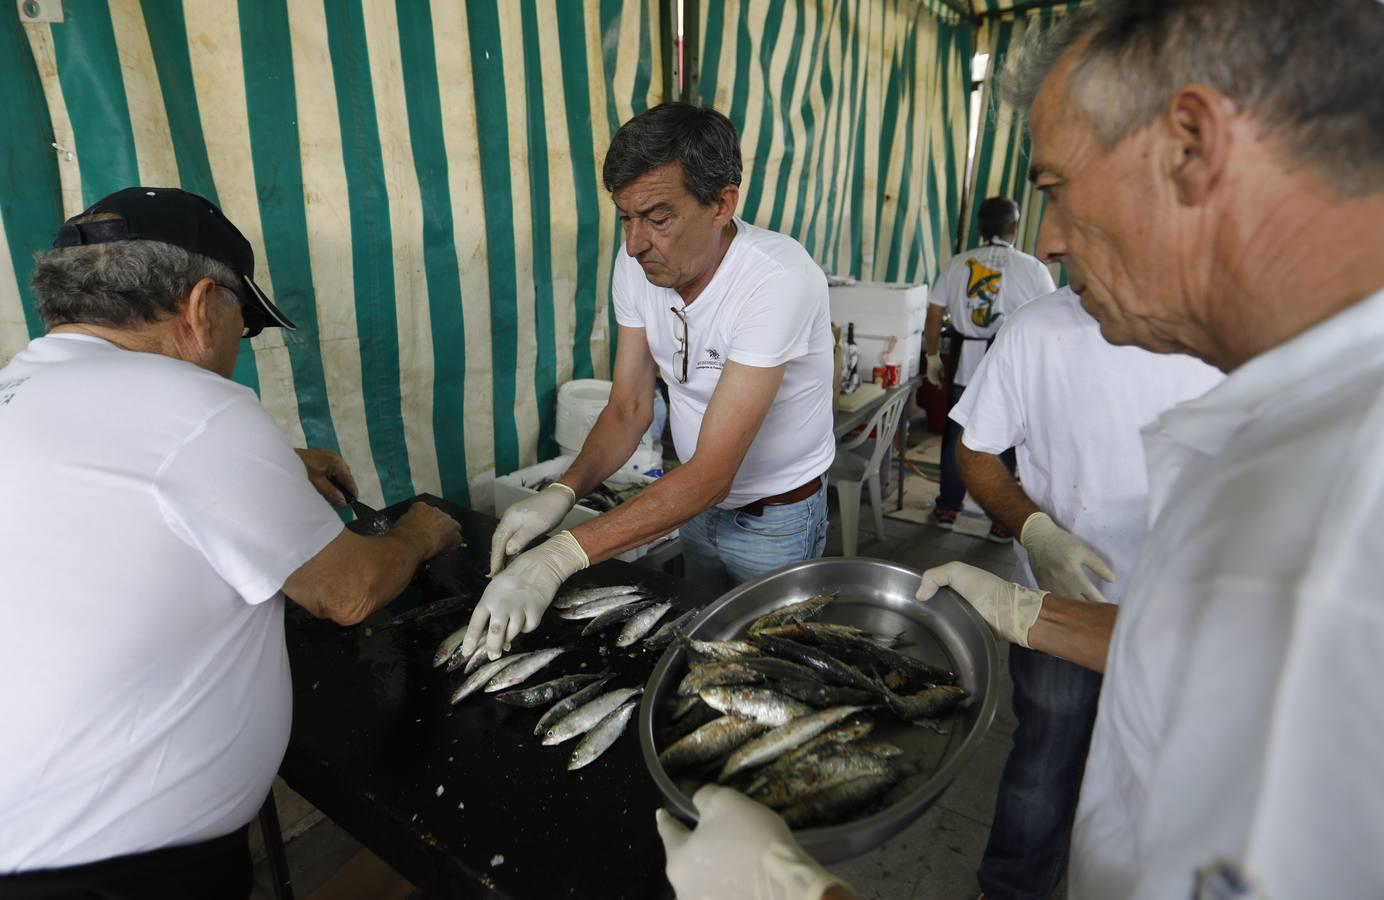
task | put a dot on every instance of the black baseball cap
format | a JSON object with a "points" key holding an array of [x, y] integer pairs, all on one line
{"points": [[184, 220]]}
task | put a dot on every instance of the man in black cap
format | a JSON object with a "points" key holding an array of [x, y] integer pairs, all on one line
{"points": [[156, 520]]}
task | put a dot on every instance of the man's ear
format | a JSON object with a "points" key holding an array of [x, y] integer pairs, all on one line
{"points": [[197, 314], [1200, 122], [726, 203]]}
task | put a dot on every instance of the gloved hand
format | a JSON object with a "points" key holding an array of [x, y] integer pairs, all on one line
{"points": [[527, 519], [1009, 608], [934, 369], [740, 849], [517, 598], [1057, 558]]}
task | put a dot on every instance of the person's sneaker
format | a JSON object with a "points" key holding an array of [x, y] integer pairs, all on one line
{"points": [[999, 534], [944, 519]]}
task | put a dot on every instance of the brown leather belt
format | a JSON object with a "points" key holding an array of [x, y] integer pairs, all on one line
{"points": [[802, 492]]}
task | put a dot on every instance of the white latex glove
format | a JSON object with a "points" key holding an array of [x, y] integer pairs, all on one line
{"points": [[934, 369], [1057, 558], [516, 599], [740, 849], [1009, 608], [527, 519]]}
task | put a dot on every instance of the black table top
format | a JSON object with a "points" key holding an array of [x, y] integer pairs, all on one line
{"points": [[463, 800]]}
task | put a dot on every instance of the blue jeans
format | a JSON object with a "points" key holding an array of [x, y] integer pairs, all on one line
{"points": [[1055, 703], [953, 490], [723, 547]]}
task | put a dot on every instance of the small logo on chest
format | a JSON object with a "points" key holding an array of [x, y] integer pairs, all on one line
{"points": [[713, 360]]}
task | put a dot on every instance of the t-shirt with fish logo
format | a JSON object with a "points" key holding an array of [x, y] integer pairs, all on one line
{"points": [[982, 286]]}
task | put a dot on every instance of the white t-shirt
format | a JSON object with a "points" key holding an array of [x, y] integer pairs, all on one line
{"points": [[1072, 406], [1241, 718], [982, 286], [152, 512], [766, 305]]}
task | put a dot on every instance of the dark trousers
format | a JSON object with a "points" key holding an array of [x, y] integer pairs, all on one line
{"points": [[953, 492], [218, 869], [1055, 703]]}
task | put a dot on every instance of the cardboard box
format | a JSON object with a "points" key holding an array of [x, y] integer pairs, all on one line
{"points": [[511, 488]]}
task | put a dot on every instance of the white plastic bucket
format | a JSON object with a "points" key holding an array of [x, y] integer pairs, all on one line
{"points": [[579, 404]]}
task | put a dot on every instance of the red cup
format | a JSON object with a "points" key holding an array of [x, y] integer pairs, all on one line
{"points": [[881, 373], [893, 375]]}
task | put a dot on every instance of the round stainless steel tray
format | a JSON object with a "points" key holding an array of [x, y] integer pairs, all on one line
{"points": [[878, 596]]}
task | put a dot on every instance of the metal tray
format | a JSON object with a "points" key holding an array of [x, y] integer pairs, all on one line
{"points": [[878, 596]]}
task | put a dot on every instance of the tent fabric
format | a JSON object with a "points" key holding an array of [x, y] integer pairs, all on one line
{"points": [[853, 124]]}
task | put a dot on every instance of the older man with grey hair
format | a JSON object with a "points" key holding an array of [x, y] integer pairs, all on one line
{"points": [[1213, 171], [155, 521]]}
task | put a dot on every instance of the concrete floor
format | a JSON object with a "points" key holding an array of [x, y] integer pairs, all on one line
{"points": [[934, 859]]}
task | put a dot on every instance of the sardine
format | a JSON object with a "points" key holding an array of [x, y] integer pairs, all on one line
{"points": [[779, 669], [682, 706], [599, 739], [793, 612], [837, 801], [600, 607], [482, 676], [584, 718], [569, 599], [816, 772], [641, 623], [930, 702], [615, 616], [668, 630], [882, 749], [770, 746], [695, 718], [479, 657], [719, 673], [848, 731], [563, 707], [819, 660], [765, 707], [548, 691], [824, 695], [709, 742], [450, 647], [722, 649], [523, 670], [862, 649]]}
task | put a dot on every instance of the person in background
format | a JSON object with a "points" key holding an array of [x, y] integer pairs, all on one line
{"points": [[1071, 405], [976, 291], [735, 320], [156, 520]]}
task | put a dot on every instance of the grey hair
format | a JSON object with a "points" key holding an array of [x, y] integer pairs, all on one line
{"points": [[700, 138], [1309, 72], [124, 284]]}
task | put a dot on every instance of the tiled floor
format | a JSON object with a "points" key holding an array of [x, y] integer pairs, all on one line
{"points": [[933, 859]]}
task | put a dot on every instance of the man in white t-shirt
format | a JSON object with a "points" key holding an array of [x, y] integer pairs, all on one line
{"points": [[1071, 405], [976, 291], [155, 520], [735, 320]]}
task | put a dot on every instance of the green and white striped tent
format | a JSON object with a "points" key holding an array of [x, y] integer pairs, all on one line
{"points": [[421, 180]]}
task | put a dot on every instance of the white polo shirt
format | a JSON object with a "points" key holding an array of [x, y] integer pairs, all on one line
{"points": [[1241, 718], [982, 286], [1072, 404], [766, 305], [152, 512]]}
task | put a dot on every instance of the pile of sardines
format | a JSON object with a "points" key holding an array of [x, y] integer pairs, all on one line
{"points": [[580, 705], [785, 713]]}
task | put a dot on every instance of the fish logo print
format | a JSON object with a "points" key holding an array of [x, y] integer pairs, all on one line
{"points": [[982, 293]]}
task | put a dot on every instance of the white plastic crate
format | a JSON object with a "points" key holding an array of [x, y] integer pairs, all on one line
{"points": [[511, 488]]}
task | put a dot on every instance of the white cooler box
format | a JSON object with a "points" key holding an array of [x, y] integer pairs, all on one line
{"points": [[881, 311], [511, 488]]}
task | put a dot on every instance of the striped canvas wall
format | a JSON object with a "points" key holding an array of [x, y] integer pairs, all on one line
{"points": [[852, 118], [420, 182], [1002, 145]]}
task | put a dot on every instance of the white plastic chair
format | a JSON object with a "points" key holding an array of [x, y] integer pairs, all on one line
{"points": [[850, 470]]}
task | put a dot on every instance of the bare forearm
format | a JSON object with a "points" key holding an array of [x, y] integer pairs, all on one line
{"points": [[988, 480], [932, 329], [365, 574], [652, 513], [1075, 630], [610, 443]]}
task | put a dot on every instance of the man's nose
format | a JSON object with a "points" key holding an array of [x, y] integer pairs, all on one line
{"points": [[1052, 243], [636, 238]]}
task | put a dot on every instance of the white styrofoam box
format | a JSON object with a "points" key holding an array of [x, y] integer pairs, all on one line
{"points": [[511, 488], [880, 310], [579, 405]]}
